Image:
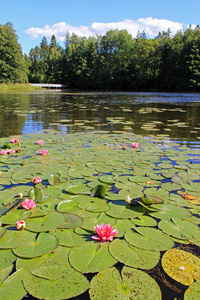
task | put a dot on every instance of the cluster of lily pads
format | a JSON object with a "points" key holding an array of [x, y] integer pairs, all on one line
{"points": [[140, 195]]}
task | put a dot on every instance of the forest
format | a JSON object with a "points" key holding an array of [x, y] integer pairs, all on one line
{"points": [[114, 61]]}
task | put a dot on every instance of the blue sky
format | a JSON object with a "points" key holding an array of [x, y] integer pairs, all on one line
{"points": [[34, 19]]}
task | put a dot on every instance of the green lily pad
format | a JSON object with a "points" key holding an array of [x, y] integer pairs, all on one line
{"points": [[193, 292], [55, 282], [182, 266], [6, 258], [145, 221], [5, 273], [91, 257], [168, 211], [13, 238], [132, 256], [14, 216], [134, 284], [58, 256], [12, 288], [181, 229], [77, 189], [99, 191], [36, 194], [71, 221], [68, 238], [67, 205], [151, 199], [53, 180], [125, 211], [48, 222], [149, 239], [109, 179], [45, 243]]}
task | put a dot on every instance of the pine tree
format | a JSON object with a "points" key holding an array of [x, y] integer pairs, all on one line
{"points": [[12, 65]]}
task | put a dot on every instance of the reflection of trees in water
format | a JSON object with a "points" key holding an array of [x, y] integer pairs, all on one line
{"points": [[12, 106], [64, 111]]}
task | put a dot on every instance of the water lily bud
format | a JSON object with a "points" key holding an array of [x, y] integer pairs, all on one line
{"points": [[28, 204], [37, 180], [43, 152], [20, 225], [134, 145]]}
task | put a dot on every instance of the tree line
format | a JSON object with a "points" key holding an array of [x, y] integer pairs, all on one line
{"points": [[116, 61]]}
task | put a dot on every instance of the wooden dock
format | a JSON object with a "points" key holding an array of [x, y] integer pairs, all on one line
{"points": [[50, 85]]}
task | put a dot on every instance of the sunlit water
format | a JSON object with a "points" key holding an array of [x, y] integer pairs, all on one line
{"points": [[174, 116]]}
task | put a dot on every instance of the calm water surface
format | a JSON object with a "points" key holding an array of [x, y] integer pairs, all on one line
{"points": [[174, 115]]}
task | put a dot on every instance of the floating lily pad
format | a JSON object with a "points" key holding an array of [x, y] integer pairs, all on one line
{"points": [[181, 229], [12, 288], [182, 266], [91, 257], [168, 211], [53, 180], [14, 216], [149, 239], [69, 238], [132, 256], [55, 282], [6, 258], [13, 238], [134, 284], [48, 222], [99, 191], [193, 292], [45, 243]]}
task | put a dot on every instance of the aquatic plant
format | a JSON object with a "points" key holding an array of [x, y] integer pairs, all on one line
{"points": [[85, 184]]}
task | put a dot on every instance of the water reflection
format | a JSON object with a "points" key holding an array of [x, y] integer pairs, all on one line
{"points": [[173, 115]]}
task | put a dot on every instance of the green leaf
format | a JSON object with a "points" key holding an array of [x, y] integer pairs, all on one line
{"points": [[132, 256], [13, 288], [149, 239], [5, 273], [193, 292], [48, 222], [6, 258], [99, 191], [182, 266], [180, 229], [36, 195], [68, 238], [53, 180], [134, 284], [55, 282], [13, 238], [45, 243], [91, 257]]}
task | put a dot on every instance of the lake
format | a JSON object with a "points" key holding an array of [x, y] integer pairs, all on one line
{"points": [[100, 178], [172, 115]]}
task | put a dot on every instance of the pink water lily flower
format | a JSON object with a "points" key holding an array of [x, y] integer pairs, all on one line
{"points": [[39, 142], [134, 145], [43, 152], [28, 204], [105, 233], [37, 180], [11, 151], [3, 152], [15, 140], [20, 225]]}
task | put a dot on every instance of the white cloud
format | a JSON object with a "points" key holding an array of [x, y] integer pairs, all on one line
{"points": [[150, 25]]}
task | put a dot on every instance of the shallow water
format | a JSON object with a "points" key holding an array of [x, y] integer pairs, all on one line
{"points": [[174, 115]]}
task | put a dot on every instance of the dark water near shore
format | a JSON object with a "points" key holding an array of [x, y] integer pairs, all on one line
{"points": [[174, 115]]}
